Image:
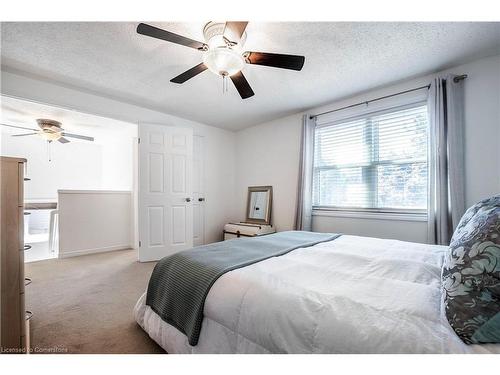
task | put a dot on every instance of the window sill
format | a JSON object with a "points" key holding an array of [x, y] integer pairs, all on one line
{"points": [[371, 215]]}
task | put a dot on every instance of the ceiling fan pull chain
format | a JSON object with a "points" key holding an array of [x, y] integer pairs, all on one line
{"points": [[224, 83], [48, 151]]}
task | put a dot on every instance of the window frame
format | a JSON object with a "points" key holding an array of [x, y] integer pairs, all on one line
{"points": [[408, 214]]}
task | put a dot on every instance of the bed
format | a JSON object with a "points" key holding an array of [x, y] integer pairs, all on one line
{"points": [[348, 295]]}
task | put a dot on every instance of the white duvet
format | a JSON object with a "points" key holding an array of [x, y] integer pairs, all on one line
{"points": [[350, 295]]}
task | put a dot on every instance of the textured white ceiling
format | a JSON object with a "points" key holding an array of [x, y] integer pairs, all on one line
{"points": [[342, 58]]}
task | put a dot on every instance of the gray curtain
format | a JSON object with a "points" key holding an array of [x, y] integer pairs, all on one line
{"points": [[446, 158], [303, 213]]}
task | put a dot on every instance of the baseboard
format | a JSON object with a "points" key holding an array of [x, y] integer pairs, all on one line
{"points": [[70, 254]]}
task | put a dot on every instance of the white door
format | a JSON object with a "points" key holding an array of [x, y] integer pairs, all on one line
{"points": [[198, 190], [165, 190]]}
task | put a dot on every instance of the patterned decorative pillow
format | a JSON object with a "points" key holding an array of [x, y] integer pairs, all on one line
{"points": [[471, 274]]}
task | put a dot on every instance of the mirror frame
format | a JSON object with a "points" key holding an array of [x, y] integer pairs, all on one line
{"points": [[267, 219]]}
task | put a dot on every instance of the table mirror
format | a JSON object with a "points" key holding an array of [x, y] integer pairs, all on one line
{"points": [[259, 204]]}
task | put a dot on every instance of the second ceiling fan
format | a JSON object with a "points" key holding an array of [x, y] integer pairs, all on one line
{"points": [[223, 54]]}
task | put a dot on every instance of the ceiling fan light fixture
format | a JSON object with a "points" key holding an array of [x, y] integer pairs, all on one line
{"points": [[50, 136], [223, 61], [213, 32], [223, 53], [216, 41]]}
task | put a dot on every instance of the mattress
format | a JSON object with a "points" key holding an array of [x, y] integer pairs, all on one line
{"points": [[350, 295]]}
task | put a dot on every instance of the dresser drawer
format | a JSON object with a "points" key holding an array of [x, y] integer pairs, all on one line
{"points": [[22, 320], [21, 249], [26, 339]]}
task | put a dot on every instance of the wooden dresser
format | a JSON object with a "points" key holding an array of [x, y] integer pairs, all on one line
{"points": [[14, 332]]}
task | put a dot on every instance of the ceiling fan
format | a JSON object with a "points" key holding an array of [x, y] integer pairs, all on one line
{"points": [[50, 130], [223, 54]]}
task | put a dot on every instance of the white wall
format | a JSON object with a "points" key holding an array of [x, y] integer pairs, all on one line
{"points": [[482, 129], [103, 164], [277, 145], [84, 213], [268, 154], [219, 143], [74, 165], [117, 161]]}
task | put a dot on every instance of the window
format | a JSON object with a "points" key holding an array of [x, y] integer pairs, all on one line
{"points": [[377, 162]]}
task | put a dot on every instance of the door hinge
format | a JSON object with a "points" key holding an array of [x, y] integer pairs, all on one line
{"points": [[139, 243], [138, 140]]}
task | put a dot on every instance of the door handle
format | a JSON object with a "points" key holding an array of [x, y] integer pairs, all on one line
{"points": [[201, 199], [188, 199]]}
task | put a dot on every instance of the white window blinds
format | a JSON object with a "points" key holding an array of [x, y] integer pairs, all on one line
{"points": [[376, 161]]}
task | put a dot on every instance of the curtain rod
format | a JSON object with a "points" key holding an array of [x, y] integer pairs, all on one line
{"points": [[456, 79]]}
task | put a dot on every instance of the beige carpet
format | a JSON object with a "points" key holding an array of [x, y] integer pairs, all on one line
{"points": [[84, 304]]}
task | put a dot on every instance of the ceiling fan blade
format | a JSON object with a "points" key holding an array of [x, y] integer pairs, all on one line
{"points": [[157, 33], [242, 85], [18, 127], [275, 60], [234, 30], [188, 74], [84, 137], [63, 140], [22, 135]]}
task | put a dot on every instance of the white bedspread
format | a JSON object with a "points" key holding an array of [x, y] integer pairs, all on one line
{"points": [[351, 295]]}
